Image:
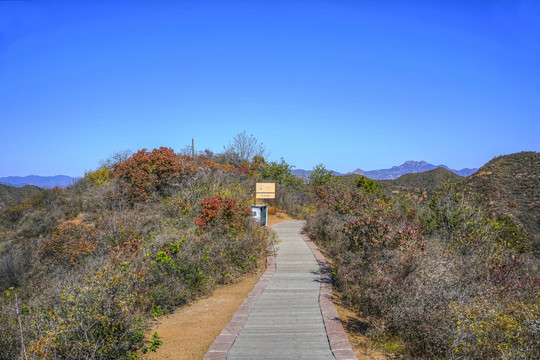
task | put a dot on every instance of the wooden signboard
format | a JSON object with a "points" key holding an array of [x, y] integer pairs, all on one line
{"points": [[265, 191], [265, 195], [265, 187]]}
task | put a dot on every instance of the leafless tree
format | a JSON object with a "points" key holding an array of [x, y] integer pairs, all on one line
{"points": [[244, 147], [116, 158]]}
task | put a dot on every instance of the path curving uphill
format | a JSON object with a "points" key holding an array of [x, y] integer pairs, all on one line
{"points": [[289, 314]]}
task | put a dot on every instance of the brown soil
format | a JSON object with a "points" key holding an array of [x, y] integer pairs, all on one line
{"points": [[277, 218], [188, 332], [355, 327]]}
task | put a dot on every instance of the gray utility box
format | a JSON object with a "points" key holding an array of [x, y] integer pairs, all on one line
{"points": [[260, 214]]}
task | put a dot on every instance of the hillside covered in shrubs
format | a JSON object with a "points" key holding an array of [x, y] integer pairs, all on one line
{"points": [[511, 185], [446, 276], [83, 270], [11, 195]]}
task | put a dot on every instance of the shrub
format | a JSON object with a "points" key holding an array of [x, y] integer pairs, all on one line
{"points": [[368, 185], [510, 235], [458, 218], [364, 233], [149, 171], [98, 177], [496, 329], [465, 292], [93, 320], [70, 240], [222, 211], [343, 201], [171, 262]]}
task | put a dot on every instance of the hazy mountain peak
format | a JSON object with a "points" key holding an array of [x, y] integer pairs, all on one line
{"points": [[409, 166], [36, 180]]}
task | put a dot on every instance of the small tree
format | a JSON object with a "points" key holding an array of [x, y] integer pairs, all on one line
{"points": [[280, 172], [368, 186], [320, 176], [116, 158], [243, 148]]}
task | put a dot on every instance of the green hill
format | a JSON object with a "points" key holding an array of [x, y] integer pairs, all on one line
{"points": [[420, 185], [432, 179], [349, 180], [511, 185], [10, 195]]}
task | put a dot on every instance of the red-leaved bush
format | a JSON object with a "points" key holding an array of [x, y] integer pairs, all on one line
{"points": [[147, 171], [222, 210]]}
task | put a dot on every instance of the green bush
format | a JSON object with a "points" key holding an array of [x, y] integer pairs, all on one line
{"points": [[320, 176], [368, 186]]}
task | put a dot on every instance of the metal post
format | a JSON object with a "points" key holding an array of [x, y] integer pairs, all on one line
{"points": [[275, 197]]}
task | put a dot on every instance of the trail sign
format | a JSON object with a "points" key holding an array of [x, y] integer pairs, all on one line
{"points": [[266, 187], [265, 190]]}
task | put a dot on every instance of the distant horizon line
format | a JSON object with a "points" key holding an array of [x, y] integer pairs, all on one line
{"points": [[295, 168]]}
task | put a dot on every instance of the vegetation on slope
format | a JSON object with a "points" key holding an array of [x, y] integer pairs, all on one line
{"points": [[511, 185], [10, 195], [429, 180], [446, 276], [420, 185], [83, 269]]}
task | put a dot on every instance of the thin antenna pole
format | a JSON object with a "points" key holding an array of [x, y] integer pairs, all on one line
{"points": [[193, 147]]}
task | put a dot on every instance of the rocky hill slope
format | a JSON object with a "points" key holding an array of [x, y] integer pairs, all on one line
{"points": [[511, 185]]}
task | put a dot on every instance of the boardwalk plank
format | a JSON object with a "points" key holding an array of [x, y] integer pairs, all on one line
{"points": [[286, 321]]}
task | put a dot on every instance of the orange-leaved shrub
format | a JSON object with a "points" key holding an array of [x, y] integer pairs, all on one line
{"points": [[70, 240], [147, 171], [222, 211]]}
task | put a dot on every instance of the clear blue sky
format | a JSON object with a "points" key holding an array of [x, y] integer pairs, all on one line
{"points": [[351, 84]]}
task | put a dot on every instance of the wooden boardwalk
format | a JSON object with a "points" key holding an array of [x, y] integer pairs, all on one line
{"points": [[282, 318]]}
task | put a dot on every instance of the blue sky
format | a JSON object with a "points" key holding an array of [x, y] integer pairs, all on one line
{"points": [[351, 84]]}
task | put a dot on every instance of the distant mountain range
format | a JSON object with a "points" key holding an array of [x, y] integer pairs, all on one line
{"points": [[394, 172], [46, 182]]}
